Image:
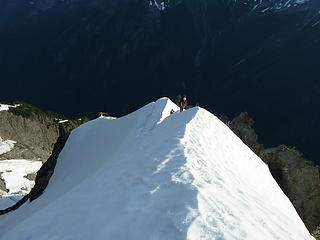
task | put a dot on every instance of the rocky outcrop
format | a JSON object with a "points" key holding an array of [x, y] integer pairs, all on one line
{"points": [[43, 175], [298, 178], [242, 126], [69, 125], [3, 188], [316, 233], [34, 136], [34, 133]]}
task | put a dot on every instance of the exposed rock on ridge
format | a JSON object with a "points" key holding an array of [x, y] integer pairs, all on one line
{"points": [[243, 127], [316, 233], [34, 131], [35, 136]]}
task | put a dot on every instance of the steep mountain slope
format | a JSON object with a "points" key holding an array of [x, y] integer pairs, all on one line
{"points": [[152, 175], [229, 56]]}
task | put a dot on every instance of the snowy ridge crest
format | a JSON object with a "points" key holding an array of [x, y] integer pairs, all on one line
{"points": [[250, 204], [176, 176], [156, 113]]}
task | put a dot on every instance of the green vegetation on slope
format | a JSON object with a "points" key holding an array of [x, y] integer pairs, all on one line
{"points": [[28, 111]]}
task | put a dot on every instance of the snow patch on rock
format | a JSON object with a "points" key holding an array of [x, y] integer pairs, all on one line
{"points": [[14, 173], [5, 107], [63, 120], [6, 145]]}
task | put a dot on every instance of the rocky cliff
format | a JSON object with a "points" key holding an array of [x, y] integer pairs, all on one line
{"points": [[316, 233], [34, 135], [27, 138]]}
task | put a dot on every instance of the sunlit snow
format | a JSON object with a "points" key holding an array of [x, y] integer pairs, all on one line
{"points": [[14, 173], [152, 175], [63, 121], [5, 107]]}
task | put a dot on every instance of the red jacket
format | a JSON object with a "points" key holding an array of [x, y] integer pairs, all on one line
{"points": [[183, 103]]}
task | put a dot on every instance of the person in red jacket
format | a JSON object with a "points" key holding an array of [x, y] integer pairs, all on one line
{"points": [[183, 103]]}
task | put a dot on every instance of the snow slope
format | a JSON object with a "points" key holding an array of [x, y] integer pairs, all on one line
{"points": [[8, 201], [14, 172], [152, 175]]}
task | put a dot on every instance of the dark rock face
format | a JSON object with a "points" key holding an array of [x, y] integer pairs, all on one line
{"points": [[242, 126], [316, 233], [68, 126], [298, 178], [228, 56], [35, 136], [2, 186], [35, 132], [46, 171]]}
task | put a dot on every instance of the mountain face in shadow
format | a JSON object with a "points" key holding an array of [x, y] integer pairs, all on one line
{"points": [[82, 56]]}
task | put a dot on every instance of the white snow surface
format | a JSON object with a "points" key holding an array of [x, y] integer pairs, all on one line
{"points": [[6, 145], [13, 172], [5, 107], [152, 175], [63, 121]]}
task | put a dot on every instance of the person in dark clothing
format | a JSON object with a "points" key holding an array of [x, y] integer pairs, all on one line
{"points": [[183, 103]]}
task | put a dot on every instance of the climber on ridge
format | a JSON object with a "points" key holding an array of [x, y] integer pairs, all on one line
{"points": [[183, 103]]}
